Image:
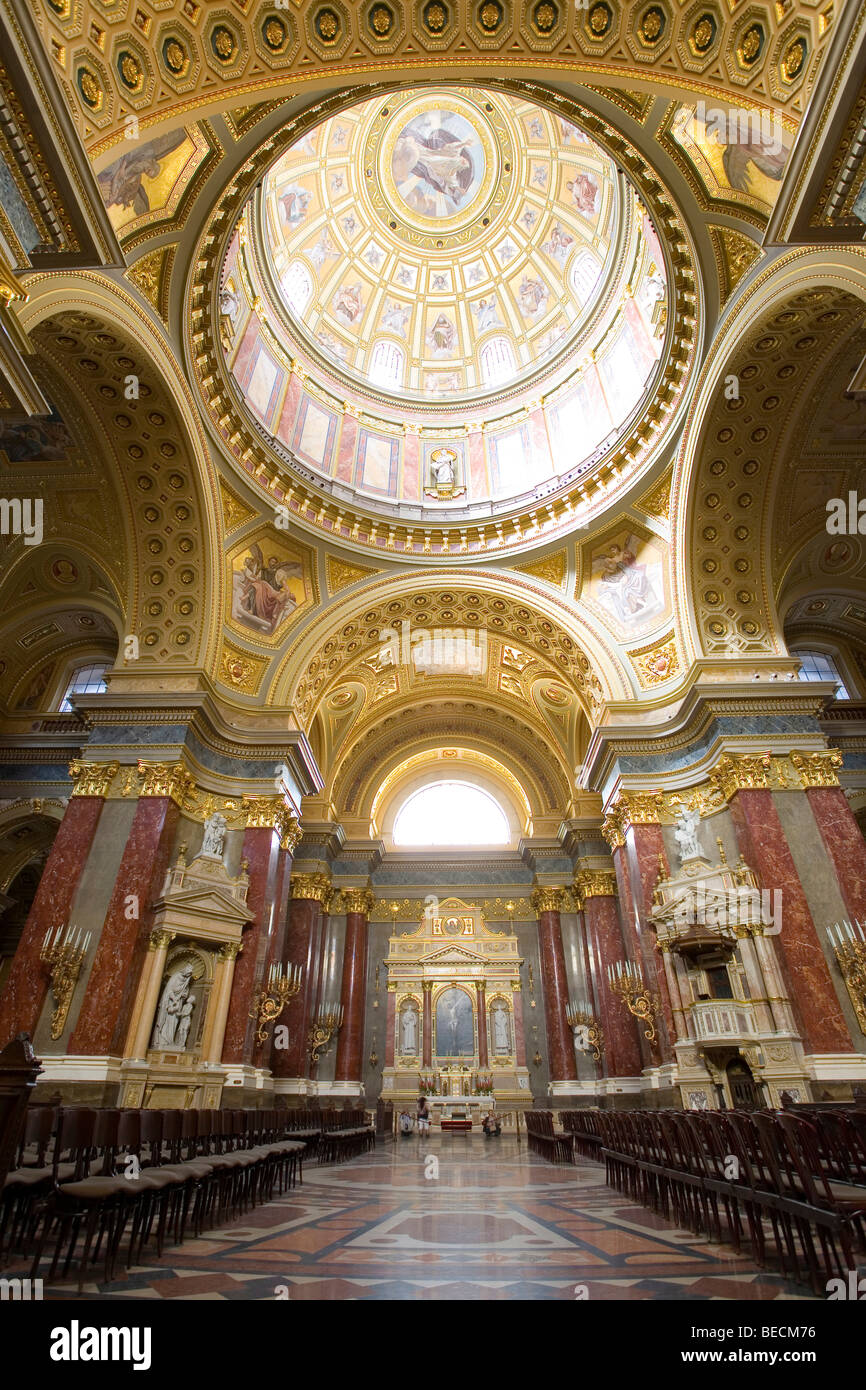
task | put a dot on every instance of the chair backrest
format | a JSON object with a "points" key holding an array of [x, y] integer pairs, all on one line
{"points": [[75, 1135], [39, 1125]]}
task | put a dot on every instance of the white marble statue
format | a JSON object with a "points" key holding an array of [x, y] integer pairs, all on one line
{"points": [[501, 1039], [686, 835], [410, 1031], [214, 836], [183, 1023], [443, 471], [168, 1015]]}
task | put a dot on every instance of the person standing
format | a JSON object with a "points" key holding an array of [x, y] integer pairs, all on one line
{"points": [[423, 1117]]}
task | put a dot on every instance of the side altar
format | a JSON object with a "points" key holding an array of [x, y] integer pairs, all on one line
{"points": [[454, 1026]]}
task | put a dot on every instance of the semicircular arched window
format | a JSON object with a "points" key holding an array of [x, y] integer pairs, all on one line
{"points": [[451, 813]]}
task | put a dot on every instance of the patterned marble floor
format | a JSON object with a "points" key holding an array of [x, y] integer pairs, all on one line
{"points": [[452, 1217]]}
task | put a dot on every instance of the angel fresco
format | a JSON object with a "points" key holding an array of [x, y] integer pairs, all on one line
{"points": [[262, 594], [121, 182]]}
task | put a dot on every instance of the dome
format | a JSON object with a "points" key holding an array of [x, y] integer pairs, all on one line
{"points": [[465, 272]]}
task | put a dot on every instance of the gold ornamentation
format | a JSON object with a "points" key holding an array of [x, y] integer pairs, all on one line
{"points": [[626, 980], [849, 946], [329, 1021], [435, 17], [490, 17], [176, 57], [703, 34], [230, 950], [741, 771], [160, 939], [224, 44], [90, 89], [579, 1015], [552, 568], [594, 883], [548, 900], [64, 956], [358, 900], [241, 670], [795, 57], [270, 999], [315, 888], [151, 275], [658, 501], [735, 254], [272, 813], [818, 769], [340, 574], [166, 779], [92, 779], [658, 664], [235, 511], [631, 808], [381, 21]]}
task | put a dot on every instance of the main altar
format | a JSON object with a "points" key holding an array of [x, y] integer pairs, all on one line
{"points": [[454, 1025]]}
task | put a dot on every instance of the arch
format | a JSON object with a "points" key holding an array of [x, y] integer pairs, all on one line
{"points": [[734, 447], [89, 308], [585, 657], [462, 764]]}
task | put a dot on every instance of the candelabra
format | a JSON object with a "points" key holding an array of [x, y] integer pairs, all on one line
{"points": [[271, 998], [626, 980], [329, 1020], [64, 957], [849, 946], [580, 1016]]}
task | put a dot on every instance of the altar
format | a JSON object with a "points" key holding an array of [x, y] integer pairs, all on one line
{"points": [[454, 1024]]}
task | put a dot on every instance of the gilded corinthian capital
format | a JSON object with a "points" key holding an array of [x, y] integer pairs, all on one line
{"points": [[594, 883], [315, 888], [92, 779], [272, 813], [742, 772], [631, 808], [548, 900], [357, 900], [818, 769], [166, 779]]}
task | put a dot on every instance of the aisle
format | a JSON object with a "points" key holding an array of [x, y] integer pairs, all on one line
{"points": [[455, 1217]]}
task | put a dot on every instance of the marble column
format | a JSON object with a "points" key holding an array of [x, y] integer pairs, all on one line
{"points": [[427, 1024], [213, 1033], [269, 840], [637, 860], [481, 998], [519, 1026], [144, 1008], [762, 843], [122, 948], [547, 903], [359, 904], [843, 841], [27, 983], [597, 892], [390, 1024], [310, 896]]}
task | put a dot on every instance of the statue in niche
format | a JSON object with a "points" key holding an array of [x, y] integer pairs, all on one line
{"points": [[410, 1031], [501, 1039], [214, 836], [171, 1007], [686, 835]]}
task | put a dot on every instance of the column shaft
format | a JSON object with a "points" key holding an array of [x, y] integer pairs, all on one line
{"points": [[353, 988], [560, 1045]]}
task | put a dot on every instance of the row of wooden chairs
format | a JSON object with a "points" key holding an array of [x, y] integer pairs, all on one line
{"points": [[352, 1135], [111, 1170], [585, 1127], [777, 1176], [543, 1137]]}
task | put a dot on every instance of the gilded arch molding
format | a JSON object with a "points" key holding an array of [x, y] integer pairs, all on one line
{"points": [[511, 607], [775, 342], [173, 57], [109, 339]]}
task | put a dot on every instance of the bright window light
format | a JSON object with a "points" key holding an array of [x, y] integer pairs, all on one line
{"points": [[451, 813], [87, 680], [819, 666]]}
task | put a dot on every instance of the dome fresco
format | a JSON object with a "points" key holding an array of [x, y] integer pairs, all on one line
{"points": [[451, 273]]}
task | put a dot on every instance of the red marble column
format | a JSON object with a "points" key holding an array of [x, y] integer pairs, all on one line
{"points": [[547, 903], [481, 993], [260, 854], [359, 902], [762, 843], [27, 983], [427, 1024], [390, 1016], [644, 847], [622, 1055], [310, 895], [111, 987], [844, 843]]}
